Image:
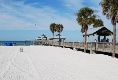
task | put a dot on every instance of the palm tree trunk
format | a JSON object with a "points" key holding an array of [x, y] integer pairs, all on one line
{"points": [[114, 40], [59, 39], [85, 41], [53, 39]]}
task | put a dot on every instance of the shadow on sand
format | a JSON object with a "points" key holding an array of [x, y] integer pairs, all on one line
{"points": [[98, 52]]}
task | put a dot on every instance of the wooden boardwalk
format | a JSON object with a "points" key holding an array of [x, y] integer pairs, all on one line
{"points": [[92, 46]]}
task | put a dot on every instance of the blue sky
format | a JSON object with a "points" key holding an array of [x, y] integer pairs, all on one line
{"points": [[18, 18]]}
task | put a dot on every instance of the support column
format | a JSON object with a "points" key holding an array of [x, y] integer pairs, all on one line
{"points": [[93, 38], [88, 38], [111, 44], [83, 38], [98, 38], [73, 46], [91, 51], [105, 38], [111, 39], [63, 43], [83, 41]]}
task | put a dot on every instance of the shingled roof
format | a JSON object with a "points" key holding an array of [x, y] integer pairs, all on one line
{"points": [[102, 31]]}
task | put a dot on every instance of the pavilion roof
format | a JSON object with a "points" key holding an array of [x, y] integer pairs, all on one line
{"points": [[57, 37], [102, 31]]}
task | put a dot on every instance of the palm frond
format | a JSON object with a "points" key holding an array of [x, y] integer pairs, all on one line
{"points": [[110, 9], [52, 27], [98, 23], [85, 17], [59, 28]]}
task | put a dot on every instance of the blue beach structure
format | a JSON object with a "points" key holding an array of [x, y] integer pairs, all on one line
{"points": [[9, 43]]}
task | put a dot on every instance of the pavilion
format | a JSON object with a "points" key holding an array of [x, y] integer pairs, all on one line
{"points": [[100, 31], [57, 37]]}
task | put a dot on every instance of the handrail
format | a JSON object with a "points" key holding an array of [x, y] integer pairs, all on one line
{"points": [[99, 46]]}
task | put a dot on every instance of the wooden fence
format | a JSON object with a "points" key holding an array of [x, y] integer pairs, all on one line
{"points": [[96, 46]]}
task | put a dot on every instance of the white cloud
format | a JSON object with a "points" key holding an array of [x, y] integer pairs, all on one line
{"points": [[17, 15], [75, 5], [20, 16]]}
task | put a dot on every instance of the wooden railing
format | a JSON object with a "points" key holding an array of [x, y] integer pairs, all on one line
{"points": [[98, 46]]}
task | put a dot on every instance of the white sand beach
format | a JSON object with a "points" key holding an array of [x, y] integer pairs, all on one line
{"points": [[54, 63]]}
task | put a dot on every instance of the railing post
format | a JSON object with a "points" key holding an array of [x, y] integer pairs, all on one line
{"points": [[67, 44], [103, 46], [91, 51], [76, 44], [116, 46], [83, 44], [79, 45], [73, 45], [63, 44], [96, 45], [111, 47], [86, 45]]}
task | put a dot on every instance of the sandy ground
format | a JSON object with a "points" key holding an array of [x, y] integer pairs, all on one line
{"points": [[53, 63]]}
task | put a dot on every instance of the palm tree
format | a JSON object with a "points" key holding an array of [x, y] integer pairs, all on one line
{"points": [[53, 28], [82, 30], [85, 17], [110, 10], [98, 23], [59, 29]]}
